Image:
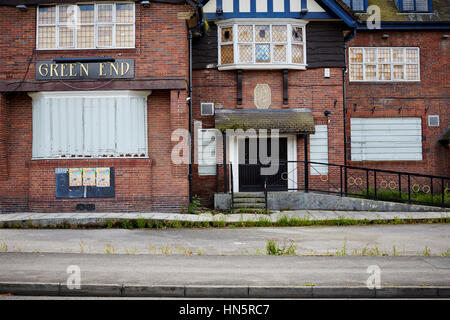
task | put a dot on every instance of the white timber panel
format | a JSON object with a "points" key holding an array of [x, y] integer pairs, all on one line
{"points": [[261, 5], [375, 139], [227, 5], [244, 5], [278, 5], [314, 6], [210, 7], [319, 150]]}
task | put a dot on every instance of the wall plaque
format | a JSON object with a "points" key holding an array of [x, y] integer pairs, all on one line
{"points": [[119, 69], [262, 96]]}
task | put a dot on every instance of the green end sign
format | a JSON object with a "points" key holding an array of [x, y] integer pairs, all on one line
{"points": [[119, 69]]}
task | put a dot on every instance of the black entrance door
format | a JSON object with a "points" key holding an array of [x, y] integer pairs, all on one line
{"points": [[250, 178]]}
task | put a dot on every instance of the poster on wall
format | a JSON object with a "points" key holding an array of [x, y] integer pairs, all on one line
{"points": [[75, 177], [103, 175], [89, 177]]}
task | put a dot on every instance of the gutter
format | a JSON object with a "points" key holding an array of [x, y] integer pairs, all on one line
{"points": [[344, 92], [198, 7]]}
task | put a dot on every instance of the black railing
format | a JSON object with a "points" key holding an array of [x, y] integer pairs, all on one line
{"points": [[350, 181]]}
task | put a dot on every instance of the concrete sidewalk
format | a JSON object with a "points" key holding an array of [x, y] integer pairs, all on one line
{"points": [[94, 218], [224, 277]]}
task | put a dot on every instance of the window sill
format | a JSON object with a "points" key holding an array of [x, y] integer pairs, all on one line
{"points": [[384, 82], [262, 67], [91, 162]]}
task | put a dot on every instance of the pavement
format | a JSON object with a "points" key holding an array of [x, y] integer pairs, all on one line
{"points": [[225, 263], [100, 219], [45, 274], [402, 239]]}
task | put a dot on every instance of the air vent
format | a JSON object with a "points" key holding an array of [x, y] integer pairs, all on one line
{"points": [[207, 109], [433, 121]]}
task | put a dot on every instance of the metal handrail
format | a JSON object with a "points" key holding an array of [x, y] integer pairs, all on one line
{"points": [[401, 191]]}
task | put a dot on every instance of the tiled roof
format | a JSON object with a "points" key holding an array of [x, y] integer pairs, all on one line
{"points": [[390, 12], [286, 120]]}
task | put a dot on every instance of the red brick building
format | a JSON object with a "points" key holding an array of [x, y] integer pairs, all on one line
{"points": [[120, 95], [94, 95]]}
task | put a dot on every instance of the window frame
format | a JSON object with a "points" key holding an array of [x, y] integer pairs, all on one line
{"points": [[365, 4], [235, 23], [429, 5], [95, 24], [378, 64]]}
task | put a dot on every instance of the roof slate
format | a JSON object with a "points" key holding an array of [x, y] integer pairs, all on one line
{"points": [[390, 13], [286, 120]]}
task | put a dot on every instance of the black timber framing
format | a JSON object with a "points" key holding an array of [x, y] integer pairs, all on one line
{"points": [[285, 87], [239, 87], [324, 46]]}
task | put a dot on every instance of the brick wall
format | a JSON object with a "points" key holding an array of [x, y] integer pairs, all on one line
{"points": [[307, 89], [161, 43], [430, 96], [153, 184]]}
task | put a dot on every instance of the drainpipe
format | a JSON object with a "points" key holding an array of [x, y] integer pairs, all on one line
{"points": [[344, 93], [199, 13]]}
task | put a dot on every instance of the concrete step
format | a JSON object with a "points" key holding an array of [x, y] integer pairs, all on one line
{"points": [[249, 200], [250, 205], [249, 195]]}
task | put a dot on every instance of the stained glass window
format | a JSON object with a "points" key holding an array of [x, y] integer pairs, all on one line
{"points": [[262, 44]]}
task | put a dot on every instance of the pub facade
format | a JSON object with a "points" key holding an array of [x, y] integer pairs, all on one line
{"points": [[90, 95]]}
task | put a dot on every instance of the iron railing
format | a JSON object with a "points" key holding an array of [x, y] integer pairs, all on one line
{"points": [[350, 181]]}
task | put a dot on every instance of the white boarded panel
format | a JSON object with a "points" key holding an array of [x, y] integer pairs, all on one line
{"points": [[374, 139], [314, 7], [244, 5], [261, 5], [210, 7], [94, 126], [319, 150], [295, 5], [278, 5], [227, 5], [207, 152]]}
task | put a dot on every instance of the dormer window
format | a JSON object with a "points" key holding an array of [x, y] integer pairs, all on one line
{"points": [[357, 5], [262, 44], [414, 5]]}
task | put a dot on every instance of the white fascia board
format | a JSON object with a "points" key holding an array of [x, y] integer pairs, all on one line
{"points": [[262, 20]]}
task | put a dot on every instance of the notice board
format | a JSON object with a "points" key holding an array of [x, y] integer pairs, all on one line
{"points": [[102, 187]]}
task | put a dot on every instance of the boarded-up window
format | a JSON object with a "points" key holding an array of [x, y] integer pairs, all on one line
{"points": [[89, 124], [386, 139], [319, 150], [206, 152]]}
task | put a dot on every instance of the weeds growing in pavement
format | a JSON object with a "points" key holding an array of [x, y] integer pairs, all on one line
{"points": [[274, 249], [426, 251], [4, 246], [109, 249]]}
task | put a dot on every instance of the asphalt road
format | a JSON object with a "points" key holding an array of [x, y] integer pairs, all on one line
{"points": [[408, 240], [223, 270]]}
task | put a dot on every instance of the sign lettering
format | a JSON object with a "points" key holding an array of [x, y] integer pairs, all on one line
{"points": [[120, 69]]}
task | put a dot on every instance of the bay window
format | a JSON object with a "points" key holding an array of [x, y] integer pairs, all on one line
{"points": [[86, 26], [262, 44]]}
